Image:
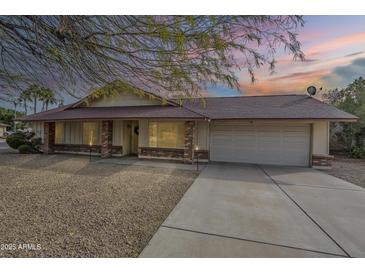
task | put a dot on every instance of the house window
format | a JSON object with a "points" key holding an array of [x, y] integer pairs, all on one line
{"points": [[59, 133], [90, 133], [166, 134]]}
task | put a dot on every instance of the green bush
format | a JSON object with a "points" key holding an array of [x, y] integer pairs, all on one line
{"points": [[16, 139], [29, 135], [25, 142], [25, 149], [36, 142], [357, 152]]}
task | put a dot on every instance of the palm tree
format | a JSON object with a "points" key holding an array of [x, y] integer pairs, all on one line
{"points": [[16, 102], [33, 93], [47, 97], [25, 97]]}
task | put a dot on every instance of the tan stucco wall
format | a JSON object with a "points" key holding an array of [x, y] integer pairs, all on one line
{"points": [[320, 137], [38, 128], [118, 133], [124, 99], [73, 133], [201, 138], [319, 143], [143, 133], [126, 138]]}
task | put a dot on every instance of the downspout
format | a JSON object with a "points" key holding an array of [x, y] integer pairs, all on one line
{"points": [[311, 146], [209, 138]]}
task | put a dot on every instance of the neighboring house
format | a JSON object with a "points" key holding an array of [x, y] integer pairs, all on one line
{"points": [[278, 129], [3, 128]]}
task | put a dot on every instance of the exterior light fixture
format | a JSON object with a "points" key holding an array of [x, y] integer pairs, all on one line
{"points": [[90, 144]]}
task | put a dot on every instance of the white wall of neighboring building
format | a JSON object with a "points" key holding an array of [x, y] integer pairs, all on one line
{"points": [[2, 130]]}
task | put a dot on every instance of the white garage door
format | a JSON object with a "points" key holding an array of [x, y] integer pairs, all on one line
{"points": [[262, 144]]}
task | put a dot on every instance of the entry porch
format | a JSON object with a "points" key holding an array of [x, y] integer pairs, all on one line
{"points": [[172, 139]]}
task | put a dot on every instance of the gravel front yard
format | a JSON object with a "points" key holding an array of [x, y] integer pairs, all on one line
{"points": [[351, 170], [66, 206]]}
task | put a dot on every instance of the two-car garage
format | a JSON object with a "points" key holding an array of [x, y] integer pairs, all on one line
{"points": [[245, 142]]}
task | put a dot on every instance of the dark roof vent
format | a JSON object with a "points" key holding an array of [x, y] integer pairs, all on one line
{"points": [[311, 90]]}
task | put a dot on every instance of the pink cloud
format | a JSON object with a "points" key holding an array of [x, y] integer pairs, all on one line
{"points": [[309, 36], [296, 82], [334, 44], [307, 75]]}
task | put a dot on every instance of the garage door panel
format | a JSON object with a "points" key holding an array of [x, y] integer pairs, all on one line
{"points": [[263, 144]]}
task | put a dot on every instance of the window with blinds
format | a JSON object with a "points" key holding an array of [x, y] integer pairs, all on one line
{"points": [[166, 134]]}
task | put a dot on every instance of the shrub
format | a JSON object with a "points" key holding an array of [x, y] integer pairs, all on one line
{"points": [[357, 152], [25, 149], [36, 142], [29, 134], [16, 139], [26, 140]]}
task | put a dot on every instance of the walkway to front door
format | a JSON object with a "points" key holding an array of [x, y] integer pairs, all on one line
{"points": [[264, 211], [133, 160]]}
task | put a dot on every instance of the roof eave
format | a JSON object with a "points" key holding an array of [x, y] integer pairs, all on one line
{"points": [[111, 118], [351, 120]]}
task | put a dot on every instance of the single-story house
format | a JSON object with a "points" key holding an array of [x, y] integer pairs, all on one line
{"points": [[274, 129], [3, 127]]}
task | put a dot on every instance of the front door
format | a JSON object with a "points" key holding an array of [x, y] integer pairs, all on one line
{"points": [[130, 136], [134, 137]]}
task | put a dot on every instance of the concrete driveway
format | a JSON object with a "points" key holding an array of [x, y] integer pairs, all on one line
{"points": [[264, 211]]}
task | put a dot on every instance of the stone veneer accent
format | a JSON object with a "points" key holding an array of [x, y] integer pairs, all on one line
{"points": [[202, 153], [173, 153], [322, 161], [189, 141], [79, 148], [106, 138], [49, 137]]}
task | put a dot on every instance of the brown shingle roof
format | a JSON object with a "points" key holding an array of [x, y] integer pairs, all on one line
{"points": [[133, 112], [267, 107], [215, 108]]}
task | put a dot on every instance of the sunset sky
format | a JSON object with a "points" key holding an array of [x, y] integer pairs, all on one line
{"points": [[335, 54], [334, 47]]}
